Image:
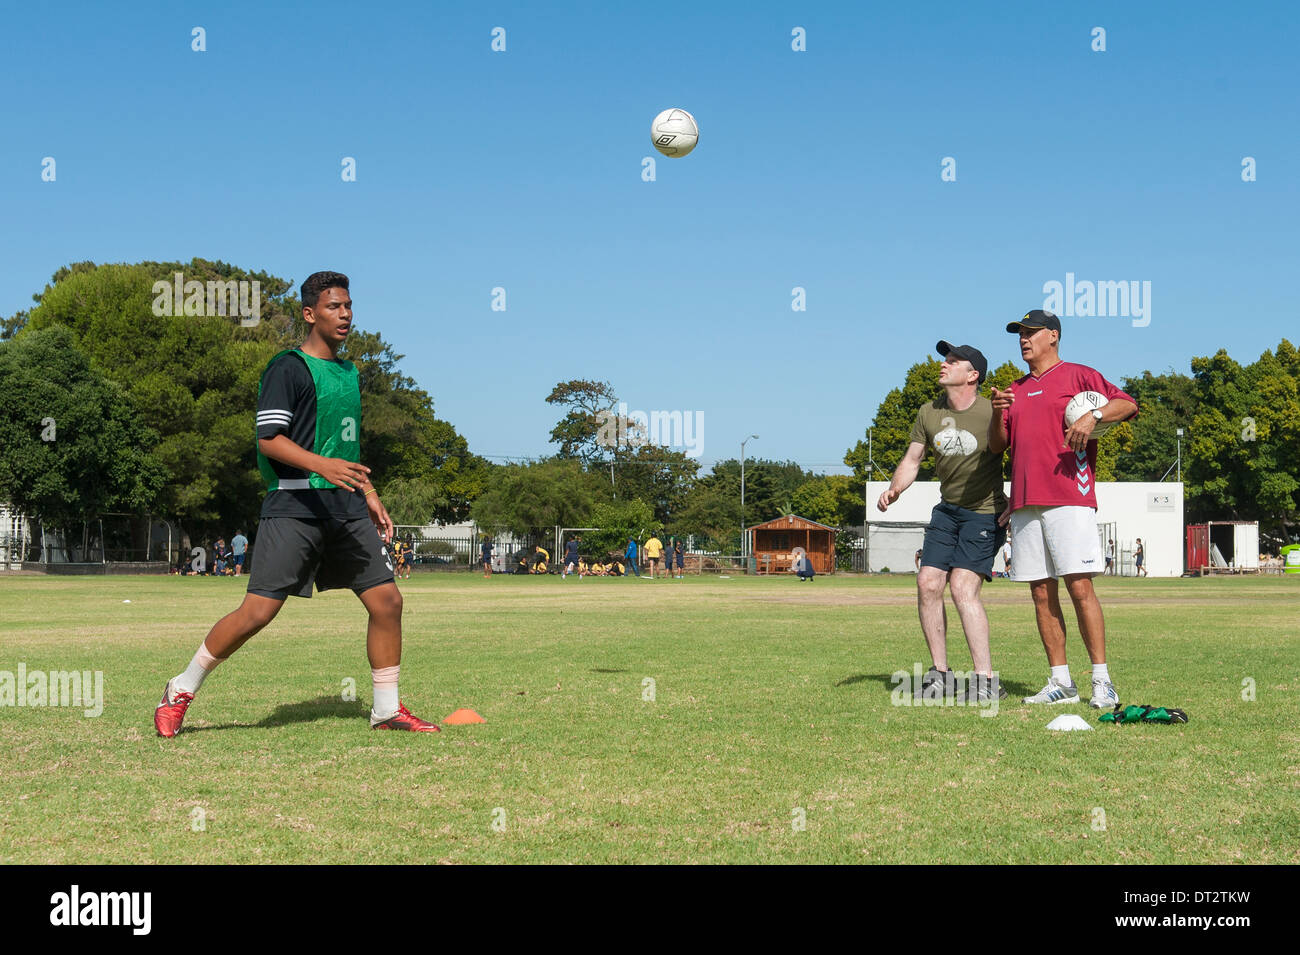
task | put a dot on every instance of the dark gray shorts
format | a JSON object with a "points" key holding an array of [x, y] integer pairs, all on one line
{"points": [[958, 537], [293, 553]]}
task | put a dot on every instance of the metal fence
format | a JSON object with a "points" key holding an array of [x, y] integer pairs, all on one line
{"points": [[143, 542], [120, 543], [541, 550], [459, 547]]}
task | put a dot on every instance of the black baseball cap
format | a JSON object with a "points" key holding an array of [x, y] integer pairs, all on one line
{"points": [[1038, 318], [965, 353]]}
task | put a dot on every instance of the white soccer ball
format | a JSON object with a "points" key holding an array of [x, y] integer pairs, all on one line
{"points": [[1085, 402], [674, 132]]}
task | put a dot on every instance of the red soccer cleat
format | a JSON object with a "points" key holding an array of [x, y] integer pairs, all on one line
{"points": [[169, 715], [403, 720]]}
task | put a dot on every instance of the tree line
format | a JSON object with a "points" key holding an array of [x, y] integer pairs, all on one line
{"points": [[107, 406]]}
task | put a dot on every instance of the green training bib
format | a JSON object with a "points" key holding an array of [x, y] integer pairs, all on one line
{"points": [[338, 417]]}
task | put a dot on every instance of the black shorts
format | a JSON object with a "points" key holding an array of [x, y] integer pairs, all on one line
{"points": [[958, 537], [293, 553]]}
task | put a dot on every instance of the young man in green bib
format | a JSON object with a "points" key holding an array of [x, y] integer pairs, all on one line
{"points": [[322, 521], [964, 534]]}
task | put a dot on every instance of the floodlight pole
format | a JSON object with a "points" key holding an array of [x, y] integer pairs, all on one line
{"points": [[1180, 455], [866, 497], [744, 550]]}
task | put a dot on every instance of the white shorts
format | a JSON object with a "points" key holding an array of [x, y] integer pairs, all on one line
{"points": [[1054, 541]]}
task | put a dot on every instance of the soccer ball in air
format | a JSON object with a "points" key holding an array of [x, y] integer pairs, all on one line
{"points": [[674, 132], [1085, 402]]}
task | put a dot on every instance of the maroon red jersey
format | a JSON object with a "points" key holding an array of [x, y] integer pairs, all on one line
{"points": [[1045, 471]]}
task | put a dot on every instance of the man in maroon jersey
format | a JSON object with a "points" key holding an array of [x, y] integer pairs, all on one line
{"points": [[1053, 504]]}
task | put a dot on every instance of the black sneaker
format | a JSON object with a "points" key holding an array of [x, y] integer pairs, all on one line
{"points": [[937, 684], [982, 689]]}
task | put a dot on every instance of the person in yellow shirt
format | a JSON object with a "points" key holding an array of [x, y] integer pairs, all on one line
{"points": [[654, 549]]}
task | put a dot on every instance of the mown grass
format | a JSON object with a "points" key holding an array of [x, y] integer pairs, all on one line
{"points": [[772, 702]]}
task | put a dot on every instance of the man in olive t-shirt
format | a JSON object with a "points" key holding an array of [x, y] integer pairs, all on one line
{"points": [[963, 536]]}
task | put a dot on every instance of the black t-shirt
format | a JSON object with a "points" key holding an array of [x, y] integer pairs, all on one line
{"points": [[487, 552], [287, 406], [571, 550]]}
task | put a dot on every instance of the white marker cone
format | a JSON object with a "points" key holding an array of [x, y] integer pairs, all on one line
{"points": [[1069, 721]]}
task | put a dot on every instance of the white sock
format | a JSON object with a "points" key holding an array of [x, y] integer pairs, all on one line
{"points": [[1100, 672], [384, 684], [198, 670], [1061, 675]]}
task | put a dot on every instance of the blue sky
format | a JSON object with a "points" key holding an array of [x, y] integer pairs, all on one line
{"points": [[817, 169]]}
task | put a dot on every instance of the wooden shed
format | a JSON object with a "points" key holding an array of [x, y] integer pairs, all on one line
{"points": [[772, 544]]}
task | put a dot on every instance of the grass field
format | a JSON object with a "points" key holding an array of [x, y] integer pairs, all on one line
{"points": [[771, 704]]}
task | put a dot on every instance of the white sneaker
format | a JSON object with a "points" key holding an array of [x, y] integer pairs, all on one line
{"points": [[1055, 693], [1104, 695]]}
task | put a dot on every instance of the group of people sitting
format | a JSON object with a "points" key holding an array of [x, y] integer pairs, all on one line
{"points": [[538, 561], [612, 566], [222, 560]]}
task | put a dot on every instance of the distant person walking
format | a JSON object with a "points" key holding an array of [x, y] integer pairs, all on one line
{"points": [[1139, 558], [401, 559], [654, 549], [571, 559], [239, 547], [1110, 557], [630, 556], [485, 551]]}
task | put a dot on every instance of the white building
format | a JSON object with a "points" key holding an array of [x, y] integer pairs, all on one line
{"points": [[1126, 510], [15, 530]]}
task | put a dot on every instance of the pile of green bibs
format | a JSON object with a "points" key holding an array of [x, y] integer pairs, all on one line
{"points": [[1144, 714]]}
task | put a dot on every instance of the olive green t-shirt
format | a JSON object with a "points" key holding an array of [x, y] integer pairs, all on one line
{"points": [[969, 476]]}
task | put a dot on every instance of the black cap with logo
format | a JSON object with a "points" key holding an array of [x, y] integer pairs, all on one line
{"points": [[965, 353], [1036, 319]]}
